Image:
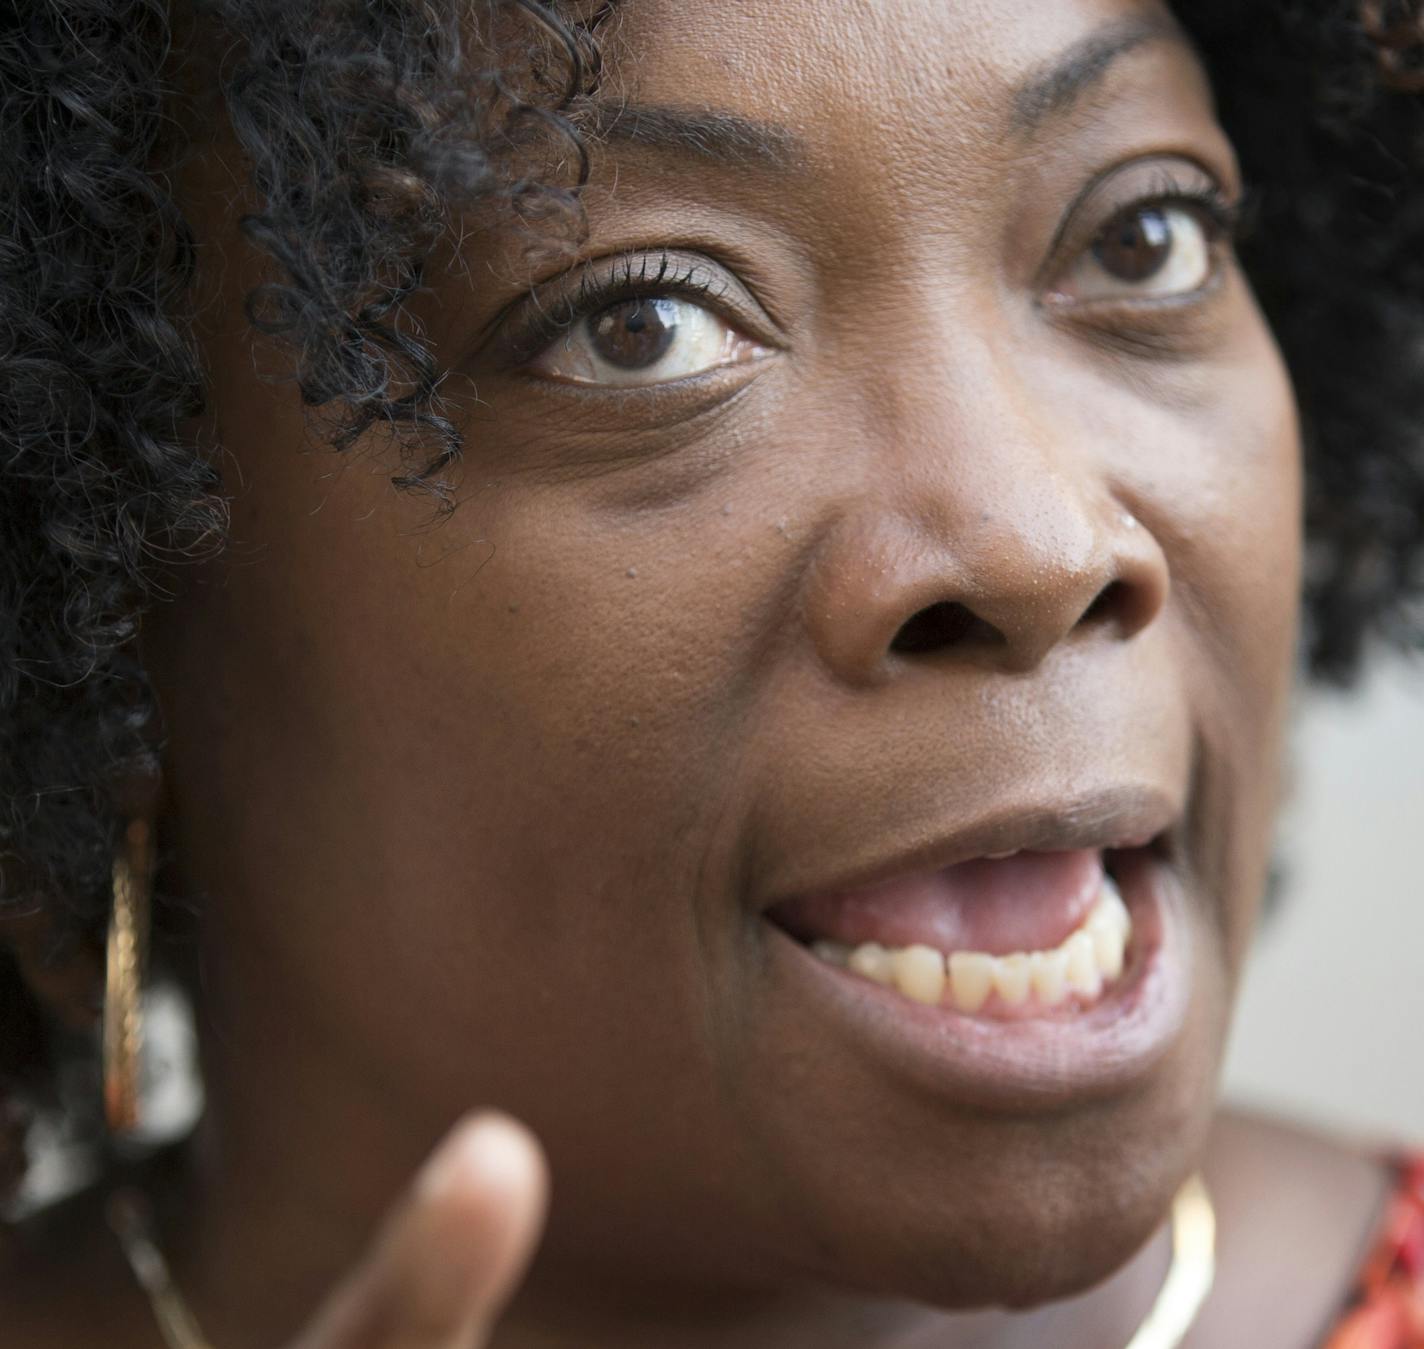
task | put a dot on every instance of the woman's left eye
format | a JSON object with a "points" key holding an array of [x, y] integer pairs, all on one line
{"points": [[642, 341], [1152, 251]]}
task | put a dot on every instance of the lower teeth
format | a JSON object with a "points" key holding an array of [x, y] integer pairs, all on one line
{"points": [[1081, 966]]}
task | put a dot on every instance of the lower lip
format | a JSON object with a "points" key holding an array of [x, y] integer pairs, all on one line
{"points": [[1033, 1063]]}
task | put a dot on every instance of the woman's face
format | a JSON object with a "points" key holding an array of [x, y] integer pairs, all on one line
{"points": [[911, 518]]}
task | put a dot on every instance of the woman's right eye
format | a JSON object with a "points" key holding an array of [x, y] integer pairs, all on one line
{"points": [[642, 341]]}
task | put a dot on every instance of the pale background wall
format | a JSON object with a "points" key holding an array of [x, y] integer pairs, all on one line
{"points": [[1330, 1026]]}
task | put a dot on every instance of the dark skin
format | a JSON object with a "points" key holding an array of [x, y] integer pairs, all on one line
{"points": [[487, 813]]}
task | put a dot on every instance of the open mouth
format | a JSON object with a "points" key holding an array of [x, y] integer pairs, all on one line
{"points": [[1043, 955], [1013, 936]]}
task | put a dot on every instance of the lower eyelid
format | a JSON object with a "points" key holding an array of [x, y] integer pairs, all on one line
{"points": [[1183, 327], [651, 388], [1177, 301], [656, 411]]}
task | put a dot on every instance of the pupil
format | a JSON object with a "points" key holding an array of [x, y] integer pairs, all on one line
{"points": [[634, 334], [1137, 246]]}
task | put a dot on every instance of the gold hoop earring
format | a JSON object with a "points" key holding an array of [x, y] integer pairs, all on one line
{"points": [[127, 952]]}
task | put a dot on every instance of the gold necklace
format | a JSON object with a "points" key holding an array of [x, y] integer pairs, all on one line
{"points": [[1189, 1276], [130, 1217]]}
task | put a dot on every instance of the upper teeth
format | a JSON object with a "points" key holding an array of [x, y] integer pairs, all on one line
{"points": [[1086, 960]]}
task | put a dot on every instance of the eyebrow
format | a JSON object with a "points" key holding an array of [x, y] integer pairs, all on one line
{"points": [[727, 138], [715, 136], [1059, 85]]}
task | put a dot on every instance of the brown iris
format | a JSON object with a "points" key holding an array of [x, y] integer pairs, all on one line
{"points": [[634, 334], [1135, 246]]}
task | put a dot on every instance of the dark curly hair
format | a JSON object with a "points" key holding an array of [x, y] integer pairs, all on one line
{"points": [[364, 128]]}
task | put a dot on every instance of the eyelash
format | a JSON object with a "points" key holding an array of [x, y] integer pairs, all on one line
{"points": [[635, 276], [1223, 213]]}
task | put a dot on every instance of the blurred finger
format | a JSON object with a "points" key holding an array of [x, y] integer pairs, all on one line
{"points": [[450, 1255]]}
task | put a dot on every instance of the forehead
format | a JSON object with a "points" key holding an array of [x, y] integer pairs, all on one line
{"points": [[882, 128], [937, 71]]}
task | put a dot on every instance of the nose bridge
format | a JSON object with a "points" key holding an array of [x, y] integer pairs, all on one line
{"points": [[987, 528]]}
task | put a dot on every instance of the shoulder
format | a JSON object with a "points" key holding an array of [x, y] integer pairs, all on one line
{"points": [[1297, 1212], [60, 1278]]}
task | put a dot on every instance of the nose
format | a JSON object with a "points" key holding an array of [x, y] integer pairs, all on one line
{"points": [[997, 562]]}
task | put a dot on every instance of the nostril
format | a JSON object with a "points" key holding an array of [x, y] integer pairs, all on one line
{"points": [[937, 626], [1111, 603]]}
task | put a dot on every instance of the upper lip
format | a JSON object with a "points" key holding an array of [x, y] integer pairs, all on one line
{"points": [[1121, 816]]}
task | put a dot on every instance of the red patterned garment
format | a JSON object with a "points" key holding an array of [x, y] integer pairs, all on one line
{"points": [[1386, 1310]]}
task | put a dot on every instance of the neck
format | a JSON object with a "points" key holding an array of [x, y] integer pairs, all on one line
{"points": [[1107, 1316]]}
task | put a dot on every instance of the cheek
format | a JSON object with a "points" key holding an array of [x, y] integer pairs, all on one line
{"points": [[510, 742], [1231, 522], [506, 757], [1234, 533], [1207, 456]]}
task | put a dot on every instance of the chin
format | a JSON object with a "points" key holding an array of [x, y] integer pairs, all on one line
{"points": [[972, 1164], [975, 1210], [1048, 1230]]}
